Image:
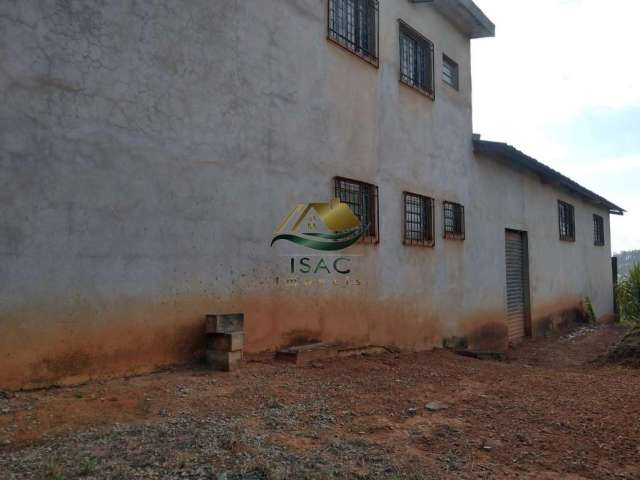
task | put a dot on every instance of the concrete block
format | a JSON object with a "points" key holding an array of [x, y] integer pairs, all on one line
{"points": [[226, 323], [226, 342], [224, 361], [302, 354]]}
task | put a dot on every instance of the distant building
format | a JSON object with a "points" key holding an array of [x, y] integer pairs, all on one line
{"points": [[149, 150]]}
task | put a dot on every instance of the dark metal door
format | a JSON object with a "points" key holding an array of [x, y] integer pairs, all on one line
{"points": [[517, 284], [614, 275]]}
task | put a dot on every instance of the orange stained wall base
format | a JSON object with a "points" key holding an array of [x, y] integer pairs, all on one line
{"points": [[83, 342]]}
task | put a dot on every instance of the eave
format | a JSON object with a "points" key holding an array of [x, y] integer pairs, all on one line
{"points": [[465, 15]]}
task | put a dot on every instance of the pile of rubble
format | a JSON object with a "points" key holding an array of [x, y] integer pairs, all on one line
{"points": [[626, 352]]}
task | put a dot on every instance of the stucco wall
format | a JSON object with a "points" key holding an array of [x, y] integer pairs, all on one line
{"points": [[562, 273], [149, 150]]}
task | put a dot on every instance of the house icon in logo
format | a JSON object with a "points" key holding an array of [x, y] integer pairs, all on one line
{"points": [[325, 226]]}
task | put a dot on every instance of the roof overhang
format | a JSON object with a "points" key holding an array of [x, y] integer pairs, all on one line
{"points": [[465, 15], [518, 159]]}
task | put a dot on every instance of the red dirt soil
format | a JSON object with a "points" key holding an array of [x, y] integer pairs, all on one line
{"points": [[547, 412]]}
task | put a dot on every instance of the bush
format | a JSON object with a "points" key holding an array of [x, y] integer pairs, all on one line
{"points": [[628, 294]]}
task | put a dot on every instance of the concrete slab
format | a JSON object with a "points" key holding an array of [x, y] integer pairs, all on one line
{"points": [[223, 361], [225, 323], [226, 342]]}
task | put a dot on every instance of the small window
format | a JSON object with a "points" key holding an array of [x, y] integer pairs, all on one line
{"points": [[453, 221], [362, 198], [598, 230], [353, 24], [566, 220], [450, 72], [416, 60], [418, 220]]}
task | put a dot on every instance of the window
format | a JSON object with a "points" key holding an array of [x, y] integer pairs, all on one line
{"points": [[353, 24], [598, 230], [416, 60], [362, 198], [567, 222], [453, 221], [418, 220], [450, 72]]}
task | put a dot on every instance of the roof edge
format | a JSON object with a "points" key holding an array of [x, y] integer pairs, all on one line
{"points": [[465, 15], [520, 159]]}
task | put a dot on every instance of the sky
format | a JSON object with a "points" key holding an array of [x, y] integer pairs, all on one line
{"points": [[561, 82]]}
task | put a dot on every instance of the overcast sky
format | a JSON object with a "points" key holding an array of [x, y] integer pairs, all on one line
{"points": [[561, 82]]}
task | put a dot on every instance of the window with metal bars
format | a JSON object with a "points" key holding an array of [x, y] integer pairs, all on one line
{"points": [[450, 72], [353, 24], [598, 230], [566, 220], [418, 220], [416, 60], [362, 198], [453, 220]]}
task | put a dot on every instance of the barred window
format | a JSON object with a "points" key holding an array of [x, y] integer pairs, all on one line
{"points": [[450, 72], [598, 230], [353, 24], [362, 198], [418, 220], [453, 220], [566, 220], [416, 60]]}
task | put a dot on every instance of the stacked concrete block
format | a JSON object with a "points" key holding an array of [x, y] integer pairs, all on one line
{"points": [[225, 341]]}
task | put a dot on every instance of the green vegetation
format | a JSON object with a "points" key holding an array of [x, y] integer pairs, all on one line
{"points": [[628, 294], [587, 309], [89, 466]]}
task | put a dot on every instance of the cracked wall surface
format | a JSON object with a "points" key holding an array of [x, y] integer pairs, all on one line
{"points": [[148, 150]]}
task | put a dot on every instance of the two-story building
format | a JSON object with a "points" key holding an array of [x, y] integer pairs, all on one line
{"points": [[149, 150]]}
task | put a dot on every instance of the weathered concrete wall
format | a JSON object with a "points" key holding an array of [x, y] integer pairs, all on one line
{"points": [[149, 149], [561, 273]]}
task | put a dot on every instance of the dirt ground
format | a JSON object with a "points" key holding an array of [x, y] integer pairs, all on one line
{"points": [[545, 413]]}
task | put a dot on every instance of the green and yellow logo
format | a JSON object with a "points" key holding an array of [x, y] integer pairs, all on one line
{"points": [[327, 226]]}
